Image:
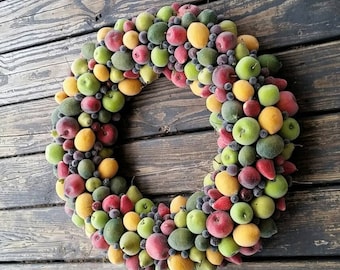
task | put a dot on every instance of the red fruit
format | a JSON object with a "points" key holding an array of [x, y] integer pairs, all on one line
{"points": [[249, 177], [163, 209], [188, 8], [67, 127], [132, 263], [68, 210], [287, 103], [176, 35], [95, 126], [128, 25], [141, 54], [113, 40], [98, 241], [68, 144], [225, 41], [205, 92], [167, 73], [214, 194], [157, 246], [288, 167], [175, 6], [97, 205], [235, 259], [223, 74], [181, 54], [224, 203], [168, 226], [281, 204], [266, 167], [74, 185], [249, 251], [251, 108], [126, 204], [129, 74], [246, 194], [107, 134], [62, 170], [219, 224], [91, 63], [179, 79], [111, 202], [279, 160], [90, 104], [224, 139], [280, 83], [220, 94]]}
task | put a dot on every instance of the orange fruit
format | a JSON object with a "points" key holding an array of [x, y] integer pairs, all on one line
{"points": [[102, 33], [177, 262], [250, 41], [226, 184], [243, 90], [101, 72], [213, 105], [270, 119], [84, 140], [83, 205], [214, 256], [60, 96], [70, 86], [194, 86], [108, 168], [130, 39], [130, 87], [131, 220], [198, 35], [176, 203], [115, 255], [246, 235]]}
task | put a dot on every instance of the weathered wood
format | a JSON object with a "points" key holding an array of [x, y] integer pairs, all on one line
{"points": [[288, 264], [48, 234], [174, 164], [161, 108], [276, 24]]}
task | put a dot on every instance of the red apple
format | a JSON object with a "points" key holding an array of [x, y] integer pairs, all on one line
{"points": [[107, 134], [219, 224], [98, 241], [111, 202], [287, 103]]}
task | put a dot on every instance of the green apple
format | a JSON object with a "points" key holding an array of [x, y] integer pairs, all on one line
{"points": [[271, 62], [99, 219], [270, 146], [77, 220], [92, 183], [228, 25], [159, 56], [232, 111], [268, 94], [241, 213], [248, 67], [101, 54], [88, 84], [263, 206], [116, 75], [79, 66], [144, 205], [207, 181], [205, 76], [130, 243], [290, 129], [276, 188], [195, 221], [113, 101], [229, 156], [85, 120], [145, 226], [246, 131], [247, 155], [228, 247], [54, 153], [164, 13], [143, 21], [180, 218], [119, 24], [190, 71]]}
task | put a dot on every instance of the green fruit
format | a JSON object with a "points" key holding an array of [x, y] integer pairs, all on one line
{"points": [[192, 200], [100, 193], [144, 259], [99, 218], [70, 107], [144, 205], [134, 194], [87, 50], [143, 21], [217, 162], [290, 129], [92, 183], [122, 60], [164, 13], [215, 121], [271, 62], [228, 247], [119, 24], [159, 56], [196, 255], [263, 206], [268, 94], [207, 56], [85, 120], [229, 156], [147, 74], [145, 227], [190, 71], [77, 220], [118, 185], [195, 221], [113, 101], [55, 116], [276, 188], [157, 32], [228, 25], [267, 228], [113, 230], [207, 16], [246, 131], [116, 75], [231, 110], [247, 155], [104, 116], [79, 66], [102, 55], [205, 265], [207, 181], [181, 239], [270, 146], [86, 168], [54, 153], [187, 19], [130, 243], [88, 84], [241, 51], [180, 218], [205, 76], [201, 243], [288, 150]]}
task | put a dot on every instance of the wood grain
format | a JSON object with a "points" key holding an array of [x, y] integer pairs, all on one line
{"points": [[48, 234], [174, 164]]}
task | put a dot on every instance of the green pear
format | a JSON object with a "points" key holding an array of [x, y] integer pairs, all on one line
{"points": [[147, 74], [134, 194], [196, 255]]}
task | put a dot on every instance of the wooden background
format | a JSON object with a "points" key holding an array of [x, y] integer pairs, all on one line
{"points": [[168, 142]]}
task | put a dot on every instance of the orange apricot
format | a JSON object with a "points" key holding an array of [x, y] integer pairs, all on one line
{"points": [[270, 119]]}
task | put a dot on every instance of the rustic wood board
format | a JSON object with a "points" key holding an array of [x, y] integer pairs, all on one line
{"points": [[48, 234]]}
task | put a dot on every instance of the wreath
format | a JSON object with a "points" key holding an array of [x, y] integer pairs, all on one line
{"points": [[251, 111]]}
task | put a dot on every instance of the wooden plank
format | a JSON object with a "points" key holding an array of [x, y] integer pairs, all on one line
{"points": [[48, 234], [161, 107], [276, 23], [287, 264], [174, 164]]}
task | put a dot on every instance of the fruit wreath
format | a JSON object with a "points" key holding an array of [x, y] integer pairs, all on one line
{"points": [[251, 111]]}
